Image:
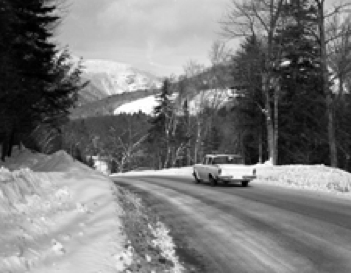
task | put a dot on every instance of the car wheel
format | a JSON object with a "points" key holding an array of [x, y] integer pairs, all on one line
{"points": [[245, 183], [213, 181], [197, 179]]}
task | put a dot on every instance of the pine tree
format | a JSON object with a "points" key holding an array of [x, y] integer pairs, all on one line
{"points": [[37, 84], [301, 99], [162, 126], [248, 102]]}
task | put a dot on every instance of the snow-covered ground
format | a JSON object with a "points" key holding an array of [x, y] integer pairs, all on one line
{"points": [[63, 218], [318, 178], [145, 105], [58, 215], [210, 98], [309, 177]]}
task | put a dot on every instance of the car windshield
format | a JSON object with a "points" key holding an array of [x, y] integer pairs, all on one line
{"points": [[228, 160]]}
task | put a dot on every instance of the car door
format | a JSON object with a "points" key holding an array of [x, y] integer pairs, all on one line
{"points": [[212, 169], [202, 170], [207, 169]]}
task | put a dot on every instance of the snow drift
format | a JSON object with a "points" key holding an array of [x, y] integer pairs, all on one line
{"points": [[312, 177], [58, 215], [64, 218]]}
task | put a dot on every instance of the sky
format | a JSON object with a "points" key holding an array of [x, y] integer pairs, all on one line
{"points": [[159, 36]]}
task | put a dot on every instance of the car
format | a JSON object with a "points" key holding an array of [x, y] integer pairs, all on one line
{"points": [[224, 168]]}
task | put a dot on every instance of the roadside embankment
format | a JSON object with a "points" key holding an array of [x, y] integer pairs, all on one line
{"points": [[58, 215]]}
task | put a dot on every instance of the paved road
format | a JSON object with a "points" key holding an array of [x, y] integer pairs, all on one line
{"points": [[260, 228]]}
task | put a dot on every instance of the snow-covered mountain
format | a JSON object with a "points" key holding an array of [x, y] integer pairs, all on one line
{"points": [[108, 78]]}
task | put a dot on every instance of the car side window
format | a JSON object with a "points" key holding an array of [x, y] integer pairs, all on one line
{"points": [[209, 160]]}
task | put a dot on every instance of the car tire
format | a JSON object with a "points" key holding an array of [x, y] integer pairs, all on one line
{"points": [[245, 183], [197, 180], [213, 181]]}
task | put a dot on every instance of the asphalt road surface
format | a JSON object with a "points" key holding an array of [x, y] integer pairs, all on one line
{"points": [[260, 228]]}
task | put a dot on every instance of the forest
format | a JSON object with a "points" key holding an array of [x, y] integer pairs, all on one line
{"points": [[289, 102]]}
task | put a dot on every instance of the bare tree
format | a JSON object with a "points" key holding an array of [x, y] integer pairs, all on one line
{"points": [[323, 19], [124, 149], [204, 92], [261, 18], [218, 77], [192, 93], [339, 50]]}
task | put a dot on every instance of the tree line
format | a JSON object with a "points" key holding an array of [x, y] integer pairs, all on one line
{"points": [[304, 55], [39, 80]]}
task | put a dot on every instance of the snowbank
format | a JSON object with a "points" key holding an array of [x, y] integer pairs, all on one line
{"points": [[311, 177], [62, 218]]}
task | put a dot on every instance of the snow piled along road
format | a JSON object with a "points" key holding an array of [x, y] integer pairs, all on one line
{"points": [[63, 218], [318, 178], [58, 215]]}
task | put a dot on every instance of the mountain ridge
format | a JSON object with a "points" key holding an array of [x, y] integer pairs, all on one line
{"points": [[106, 78]]}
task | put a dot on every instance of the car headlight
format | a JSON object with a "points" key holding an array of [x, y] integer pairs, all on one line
{"points": [[219, 171]]}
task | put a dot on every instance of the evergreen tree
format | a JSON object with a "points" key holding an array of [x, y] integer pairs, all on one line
{"points": [[38, 85], [301, 123], [247, 113], [162, 126]]}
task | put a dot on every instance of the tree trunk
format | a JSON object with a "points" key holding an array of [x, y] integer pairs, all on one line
{"points": [[168, 156], [266, 78], [331, 132], [269, 121], [326, 89], [276, 124], [188, 155], [270, 136], [260, 146], [121, 165], [197, 142]]}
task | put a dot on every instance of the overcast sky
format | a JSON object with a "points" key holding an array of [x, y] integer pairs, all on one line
{"points": [[159, 36]]}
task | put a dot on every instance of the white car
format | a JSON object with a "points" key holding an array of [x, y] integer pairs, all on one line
{"points": [[223, 168]]}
